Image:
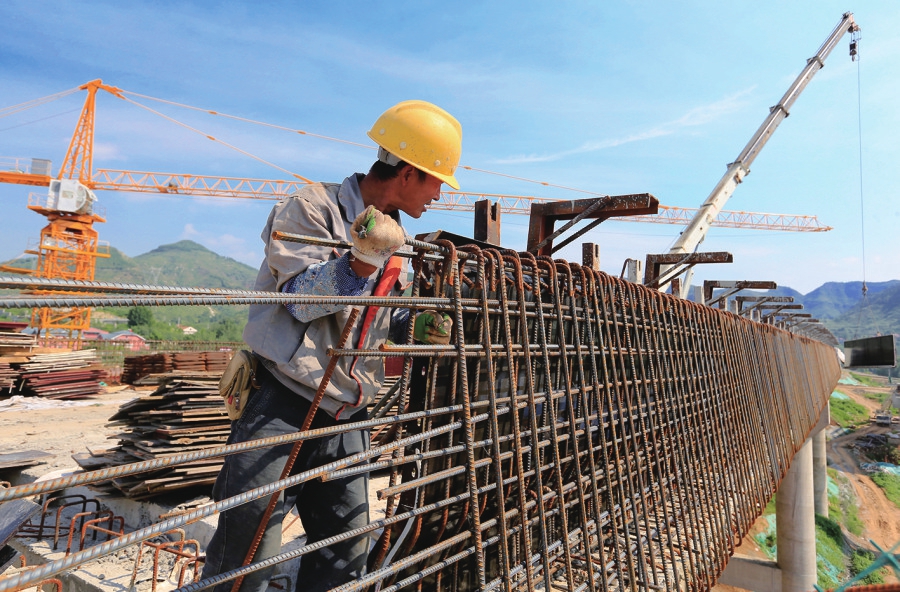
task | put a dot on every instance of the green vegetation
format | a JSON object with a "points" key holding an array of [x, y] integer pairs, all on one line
{"points": [[890, 484], [830, 559], [142, 321], [851, 519], [140, 315], [847, 413], [841, 509], [770, 507], [866, 380], [859, 562], [834, 506]]}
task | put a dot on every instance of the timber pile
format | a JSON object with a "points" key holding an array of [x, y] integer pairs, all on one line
{"points": [[137, 367], [61, 375], [14, 349], [8, 376], [17, 342], [182, 415]]}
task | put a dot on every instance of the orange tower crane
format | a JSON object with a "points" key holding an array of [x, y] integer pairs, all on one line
{"points": [[69, 245]]}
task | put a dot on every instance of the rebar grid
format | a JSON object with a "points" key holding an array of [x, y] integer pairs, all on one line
{"points": [[579, 433]]}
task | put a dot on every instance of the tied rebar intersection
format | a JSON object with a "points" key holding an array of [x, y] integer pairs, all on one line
{"points": [[578, 433]]}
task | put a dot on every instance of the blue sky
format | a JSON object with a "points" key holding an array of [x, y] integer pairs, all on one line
{"points": [[612, 98]]}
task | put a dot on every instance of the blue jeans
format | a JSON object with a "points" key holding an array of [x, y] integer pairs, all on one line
{"points": [[326, 508]]}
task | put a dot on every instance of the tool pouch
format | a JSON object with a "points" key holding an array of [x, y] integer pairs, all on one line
{"points": [[237, 381]]}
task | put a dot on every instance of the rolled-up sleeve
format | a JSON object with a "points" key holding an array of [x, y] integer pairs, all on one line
{"points": [[326, 278]]}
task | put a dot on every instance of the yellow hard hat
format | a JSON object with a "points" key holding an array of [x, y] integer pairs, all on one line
{"points": [[422, 134]]}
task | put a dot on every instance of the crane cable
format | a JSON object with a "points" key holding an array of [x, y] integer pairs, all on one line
{"points": [[13, 109], [218, 141], [864, 302], [339, 140]]}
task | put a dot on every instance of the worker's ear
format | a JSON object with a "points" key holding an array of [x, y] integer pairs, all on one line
{"points": [[406, 173]]}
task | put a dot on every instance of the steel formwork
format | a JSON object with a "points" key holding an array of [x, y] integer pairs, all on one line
{"points": [[578, 433]]}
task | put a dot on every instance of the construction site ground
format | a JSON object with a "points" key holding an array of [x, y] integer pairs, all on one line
{"points": [[64, 428]]}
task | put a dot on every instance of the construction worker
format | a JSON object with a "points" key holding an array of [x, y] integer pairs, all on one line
{"points": [[419, 148]]}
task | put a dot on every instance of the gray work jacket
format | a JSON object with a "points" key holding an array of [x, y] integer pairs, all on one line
{"points": [[296, 352]]}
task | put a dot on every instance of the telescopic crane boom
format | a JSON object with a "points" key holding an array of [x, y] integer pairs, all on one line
{"points": [[696, 231]]}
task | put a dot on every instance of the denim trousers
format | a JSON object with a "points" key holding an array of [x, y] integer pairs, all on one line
{"points": [[326, 508]]}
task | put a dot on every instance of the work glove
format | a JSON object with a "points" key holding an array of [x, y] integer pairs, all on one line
{"points": [[375, 237], [432, 327]]}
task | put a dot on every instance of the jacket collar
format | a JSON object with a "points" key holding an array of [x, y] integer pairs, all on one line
{"points": [[350, 197]]}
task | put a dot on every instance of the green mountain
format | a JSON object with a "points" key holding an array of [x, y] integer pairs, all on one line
{"points": [[186, 264], [878, 314], [834, 299]]}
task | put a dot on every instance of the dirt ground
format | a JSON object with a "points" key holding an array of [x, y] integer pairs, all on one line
{"points": [[61, 428], [880, 516]]}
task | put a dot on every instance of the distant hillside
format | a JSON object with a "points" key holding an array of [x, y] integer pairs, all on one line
{"points": [[185, 264], [880, 314], [833, 299]]}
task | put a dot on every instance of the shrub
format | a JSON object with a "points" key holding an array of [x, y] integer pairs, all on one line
{"points": [[890, 484], [859, 561]]}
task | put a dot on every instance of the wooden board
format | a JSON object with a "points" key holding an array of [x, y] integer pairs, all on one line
{"points": [[19, 460]]}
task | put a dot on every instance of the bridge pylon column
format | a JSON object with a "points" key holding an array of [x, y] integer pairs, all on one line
{"points": [[796, 524], [820, 463]]}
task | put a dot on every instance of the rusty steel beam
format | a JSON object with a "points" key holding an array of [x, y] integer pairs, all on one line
{"points": [[487, 222], [680, 263], [579, 432], [731, 288], [545, 215], [757, 301]]}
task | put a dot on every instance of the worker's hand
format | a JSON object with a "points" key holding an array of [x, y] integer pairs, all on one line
{"points": [[432, 327], [375, 237]]}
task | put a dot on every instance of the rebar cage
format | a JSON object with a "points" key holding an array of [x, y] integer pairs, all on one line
{"points": [[578, 433]]}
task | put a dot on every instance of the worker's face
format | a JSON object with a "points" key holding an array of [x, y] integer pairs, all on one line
{"points": [[418, 192]]}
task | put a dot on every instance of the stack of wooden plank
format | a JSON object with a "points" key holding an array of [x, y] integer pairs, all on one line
{"points": [[62, 374], [10, 340], [217, 361], [189, 361], [14, 349], [180, 416], [8, 376], [137, 367]]}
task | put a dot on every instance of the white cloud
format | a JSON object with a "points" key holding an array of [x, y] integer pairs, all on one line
{"points": [[695, 117]]}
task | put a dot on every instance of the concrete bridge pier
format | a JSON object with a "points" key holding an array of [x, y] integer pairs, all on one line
{"points": [[820, 463], [796, 524], [801, 494]]}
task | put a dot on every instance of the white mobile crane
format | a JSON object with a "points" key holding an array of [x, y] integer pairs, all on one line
{"points": [[696, 230]]}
